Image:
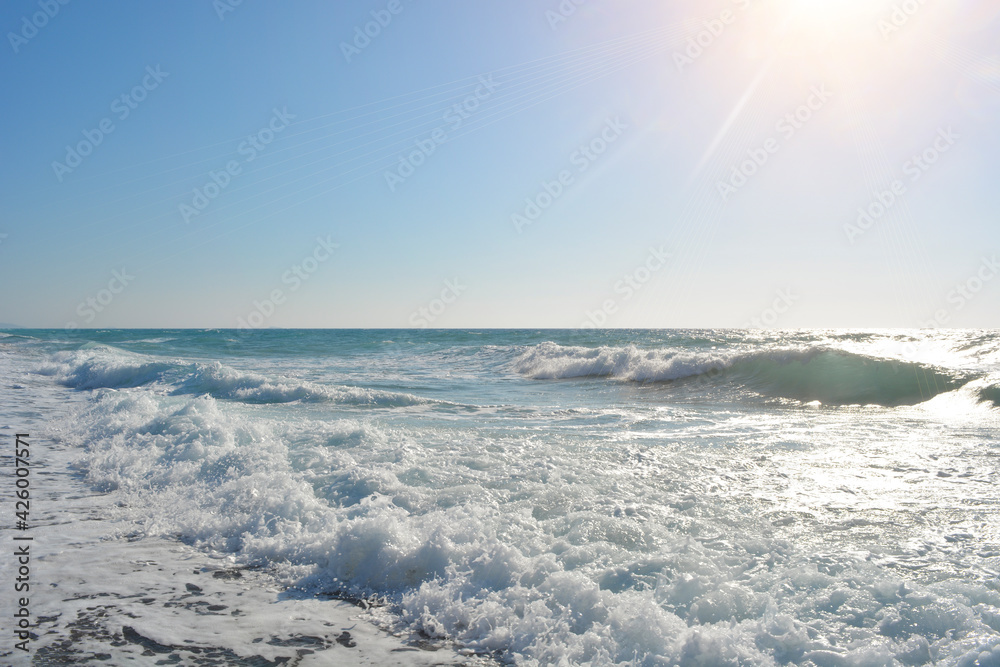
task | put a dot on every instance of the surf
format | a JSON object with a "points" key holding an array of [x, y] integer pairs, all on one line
{"points": [[105, 367], [808, 374]]}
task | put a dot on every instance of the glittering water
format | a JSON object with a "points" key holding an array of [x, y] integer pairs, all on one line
{"points": [[637, 497]]}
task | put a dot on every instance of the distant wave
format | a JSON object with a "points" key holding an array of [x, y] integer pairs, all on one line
{"points": [[97, 367], [15, 336], [830, 376], [219, 381]]}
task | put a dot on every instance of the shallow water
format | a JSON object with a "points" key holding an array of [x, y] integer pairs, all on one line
{"points": [[628, 497]]}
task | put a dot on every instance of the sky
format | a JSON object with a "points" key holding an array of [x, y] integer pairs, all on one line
{"points": [[542, 164]]}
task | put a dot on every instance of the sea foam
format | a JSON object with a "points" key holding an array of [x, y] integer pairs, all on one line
{"points": [[805, 374], [107, 367], [727, 532]]}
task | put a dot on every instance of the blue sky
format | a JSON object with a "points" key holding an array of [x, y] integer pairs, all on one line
{"points": [[642, 109]]}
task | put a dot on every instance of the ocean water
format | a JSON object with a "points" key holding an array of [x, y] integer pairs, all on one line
{"points": [[712, 497]]}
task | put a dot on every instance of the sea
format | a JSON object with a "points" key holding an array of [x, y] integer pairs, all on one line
{"points": [[524, 497]]}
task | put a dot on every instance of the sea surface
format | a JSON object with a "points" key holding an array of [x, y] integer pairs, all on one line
{"points": [[711, 497]]}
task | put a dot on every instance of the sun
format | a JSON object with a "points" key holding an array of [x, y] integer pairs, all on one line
{"points": [[830, 32], [831, 11], [824, 19]]}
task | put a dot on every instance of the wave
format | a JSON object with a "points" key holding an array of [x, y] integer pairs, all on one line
{"points": [[542, 547], [534, 573], [221, 381], [93, 368], [988, 390], [830, 376], [105, 367]]}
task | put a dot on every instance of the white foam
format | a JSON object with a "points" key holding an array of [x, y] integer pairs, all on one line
{"points": [[101, 366], [343, 518], [738, 538], [551, 361]]}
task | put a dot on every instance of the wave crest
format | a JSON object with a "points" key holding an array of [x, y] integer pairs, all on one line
{"points": [[221, 381], [99, 368], [103, 367], [830, 376]]}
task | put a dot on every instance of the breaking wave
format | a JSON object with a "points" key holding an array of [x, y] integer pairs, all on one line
{"points": [[830, 376], [103, 367]]}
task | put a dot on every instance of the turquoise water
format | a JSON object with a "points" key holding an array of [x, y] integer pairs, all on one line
{"points": [[627, 497]]}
